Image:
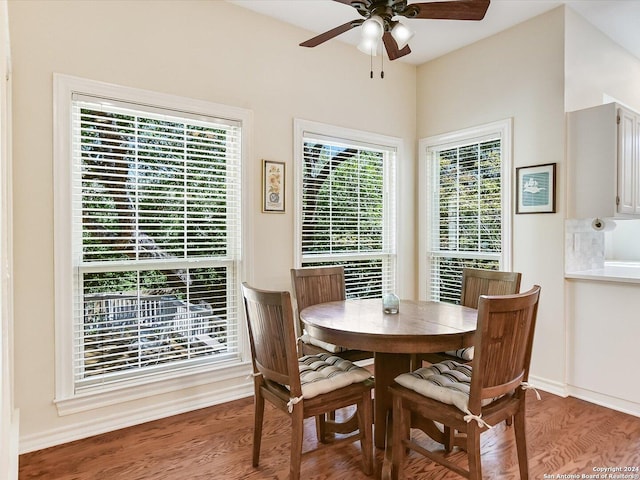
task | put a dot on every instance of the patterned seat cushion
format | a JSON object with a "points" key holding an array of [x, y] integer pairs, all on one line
{"points": [[463, 353], [448, 382], [323, 373], [329, 347]]}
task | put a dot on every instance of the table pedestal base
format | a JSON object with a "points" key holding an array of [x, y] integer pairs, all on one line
{"points": [[387, 366]]}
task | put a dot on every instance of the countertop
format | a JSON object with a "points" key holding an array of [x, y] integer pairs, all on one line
{"points": [[628, 272]]}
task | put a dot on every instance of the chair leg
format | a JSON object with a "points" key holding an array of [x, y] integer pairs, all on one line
{"points": [[401, 432], [297, 434], [521, 444], [473, 452], [321, 428], [324, 424], [257, 425], [449, 434], [365, 422]]}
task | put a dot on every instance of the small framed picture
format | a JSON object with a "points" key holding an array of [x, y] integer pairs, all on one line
{"points": [[273, 186], [536, 189]]}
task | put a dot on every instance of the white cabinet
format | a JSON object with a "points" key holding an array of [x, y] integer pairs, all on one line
{"points": [[603, 319], [628, 158], [603, 156]]}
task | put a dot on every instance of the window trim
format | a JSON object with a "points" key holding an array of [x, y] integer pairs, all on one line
{"points": [[356, 137], [66, 400], [501, 128]]}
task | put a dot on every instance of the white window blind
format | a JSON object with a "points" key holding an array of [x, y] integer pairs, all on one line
{"points": [[348, 211], [156, 240], [466, 212]]}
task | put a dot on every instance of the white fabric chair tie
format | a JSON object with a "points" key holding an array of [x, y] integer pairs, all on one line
{"points": [[293, 401], [528, 386], [478, 418], [253, 375]]}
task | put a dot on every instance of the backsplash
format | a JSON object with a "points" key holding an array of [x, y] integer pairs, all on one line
{"points": [[583, 246]]}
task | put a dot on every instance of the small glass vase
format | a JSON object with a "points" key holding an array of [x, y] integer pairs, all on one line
{"points": [[390, 303]]}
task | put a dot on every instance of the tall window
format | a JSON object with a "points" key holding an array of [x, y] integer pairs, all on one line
{"points": [[465, 213], [346, 205], [154, 230]]}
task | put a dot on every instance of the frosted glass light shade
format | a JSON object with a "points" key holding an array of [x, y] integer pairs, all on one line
{"points": [[373, 27], [369, 46], [401, 34]]}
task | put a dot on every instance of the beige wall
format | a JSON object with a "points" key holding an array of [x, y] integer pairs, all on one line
{"points": [[206, 50], [516, 74], [597, 68]]}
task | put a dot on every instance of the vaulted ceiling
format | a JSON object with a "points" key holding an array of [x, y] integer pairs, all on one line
{"points": [[619, 19]]}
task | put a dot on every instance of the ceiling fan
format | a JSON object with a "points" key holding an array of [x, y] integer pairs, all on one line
{"points": [[380, 21]]}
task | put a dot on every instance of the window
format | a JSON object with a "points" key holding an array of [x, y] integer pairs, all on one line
{"points": [[465, 207], [346, 205], [148, 275]]}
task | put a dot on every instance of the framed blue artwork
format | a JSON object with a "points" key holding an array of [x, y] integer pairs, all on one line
{"points": [[536, 189]]}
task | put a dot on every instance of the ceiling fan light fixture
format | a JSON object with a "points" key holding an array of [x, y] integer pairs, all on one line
{"points": [[377, 22], [369, 46], [401, 34], [373, 28]]}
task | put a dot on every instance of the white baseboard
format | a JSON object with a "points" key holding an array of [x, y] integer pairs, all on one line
{"points": [[97, 426], [557, 388], [614, 403], [608, 401]]}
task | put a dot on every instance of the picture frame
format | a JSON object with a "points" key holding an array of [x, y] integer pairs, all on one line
{"points": [[536, 189], [273, 186]]}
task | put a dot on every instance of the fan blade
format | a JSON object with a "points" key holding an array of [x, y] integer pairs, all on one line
{"points": [[392, 47], [328, 35], [450, 10], [346, 2]]}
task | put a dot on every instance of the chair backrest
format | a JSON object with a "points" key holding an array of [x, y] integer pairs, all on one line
{"points": [[272, 336], [476, 282], [313, 285], [503, 343]]}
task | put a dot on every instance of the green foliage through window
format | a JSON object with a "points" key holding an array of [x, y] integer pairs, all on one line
{"points": [[347, 213], [159, 205], [467, 223]]}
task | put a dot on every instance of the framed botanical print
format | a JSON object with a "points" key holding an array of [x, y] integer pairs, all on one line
{"points": [[273, 184]]}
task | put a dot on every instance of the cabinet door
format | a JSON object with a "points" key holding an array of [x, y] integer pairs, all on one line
{"points": [[592, 168], [627, 182]]}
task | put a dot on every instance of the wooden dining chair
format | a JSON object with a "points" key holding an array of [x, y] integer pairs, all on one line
{"points": [[313, 285], [476, 282], [469, 398], [301, 387]]}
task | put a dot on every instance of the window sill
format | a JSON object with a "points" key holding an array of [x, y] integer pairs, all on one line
{"points": [[94, 400]]}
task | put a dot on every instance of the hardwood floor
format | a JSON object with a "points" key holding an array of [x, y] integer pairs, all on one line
{"points": [[566, 437]]}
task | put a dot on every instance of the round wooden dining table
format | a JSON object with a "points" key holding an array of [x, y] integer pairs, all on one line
{"points": [[418, 327]]}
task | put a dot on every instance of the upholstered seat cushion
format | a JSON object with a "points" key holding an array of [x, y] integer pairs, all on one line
{"points": [[448, 382], [329, 347], [323, 373], [463, 353]]}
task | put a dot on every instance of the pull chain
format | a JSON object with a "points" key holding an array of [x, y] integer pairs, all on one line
{"points": [[371, 61], [381, 64]]}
